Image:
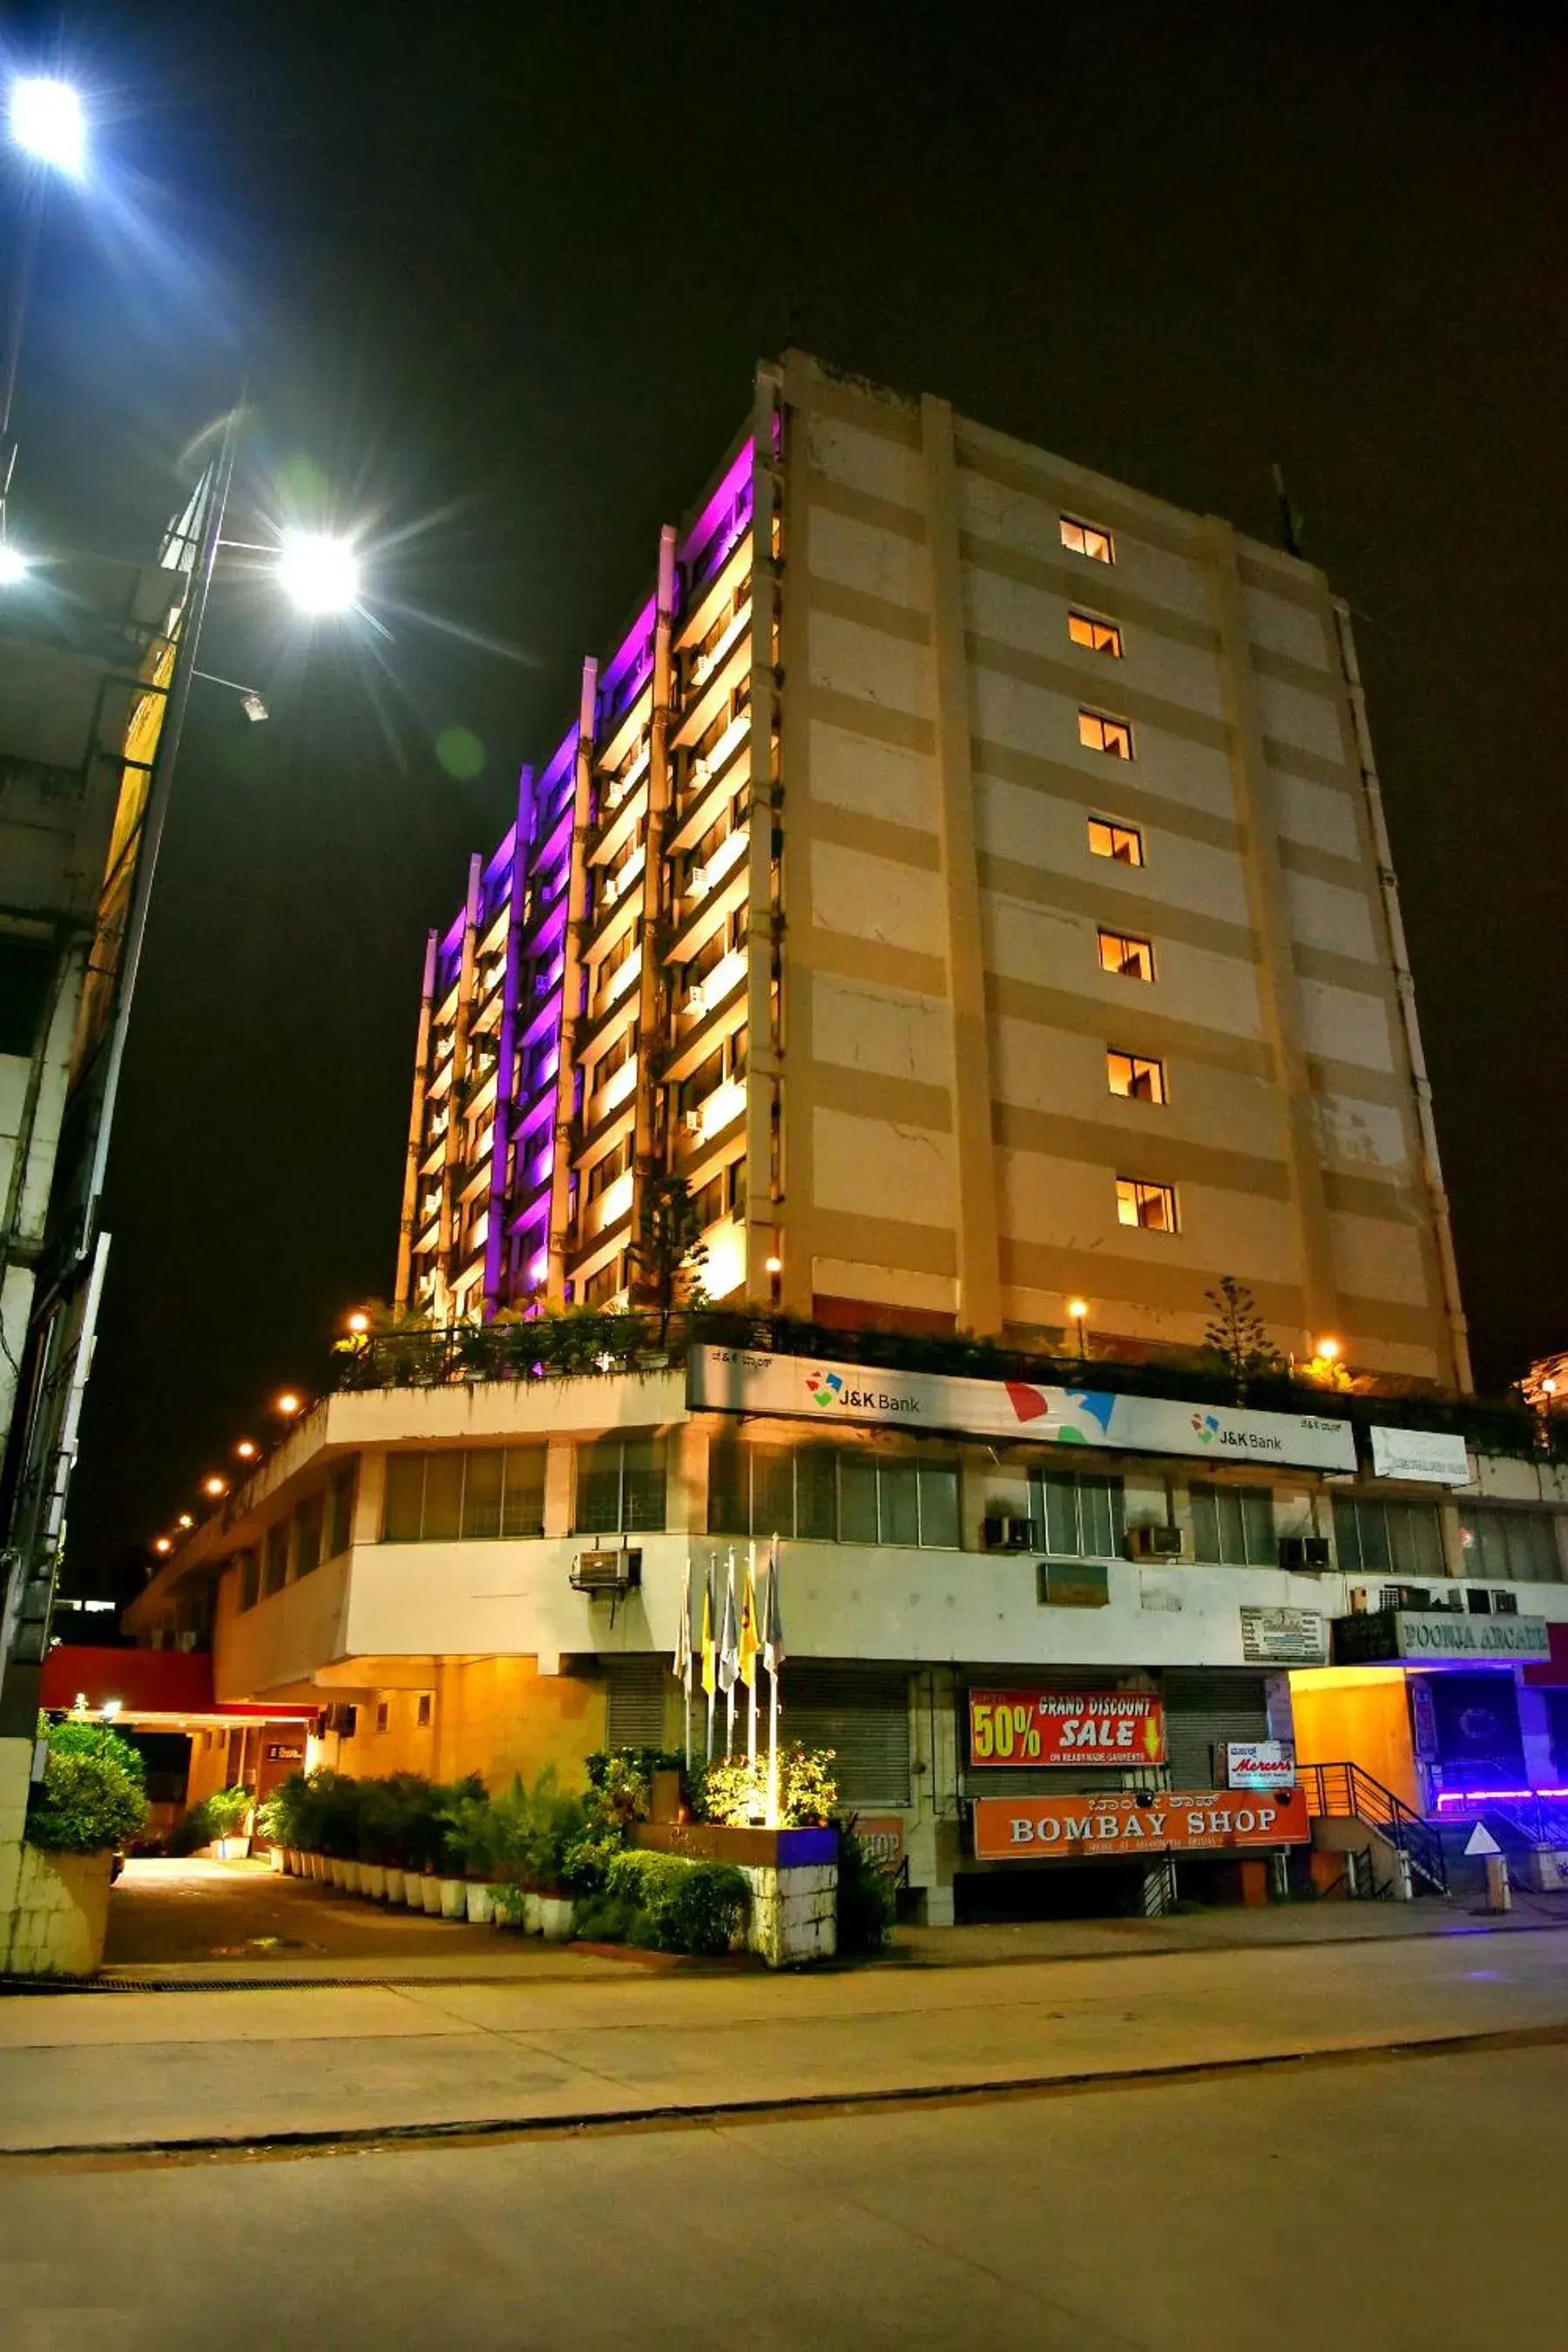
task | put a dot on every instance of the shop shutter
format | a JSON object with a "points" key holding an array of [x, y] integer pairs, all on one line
{"points": [[1203, 1711], [862, 1714], [637, 1692]]}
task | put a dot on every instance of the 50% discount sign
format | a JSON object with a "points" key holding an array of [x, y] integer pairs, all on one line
{"points": [[1041, 1727]]}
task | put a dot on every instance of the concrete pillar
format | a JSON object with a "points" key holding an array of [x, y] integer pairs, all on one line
{"points": [[15, 1773]]}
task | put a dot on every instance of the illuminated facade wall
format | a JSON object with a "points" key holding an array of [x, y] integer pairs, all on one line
{"points": [[970, 874]]}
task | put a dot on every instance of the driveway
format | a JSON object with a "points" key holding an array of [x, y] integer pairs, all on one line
{"points": [[163, 1911]]}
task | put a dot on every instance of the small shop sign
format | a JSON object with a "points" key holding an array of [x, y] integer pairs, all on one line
{"points": [[882, 1837], [1259, 1764], [1284, 1637], [1431, 1456], [1042, 1727], [1437, 1637], [1067, 1829]]}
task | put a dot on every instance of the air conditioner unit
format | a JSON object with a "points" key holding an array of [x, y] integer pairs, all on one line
{"points": [[695, 1001], [607, 1573], [1002, 1533], [1303, 1551], [1478, 1601], [1406, 1596], [1505, 1605], [692, 1120], [1153, 1543]]}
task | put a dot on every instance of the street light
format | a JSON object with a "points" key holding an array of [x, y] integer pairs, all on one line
{"points": [[289, 1404], [1077, 1311], [247, 1449], [47, 122], [12, 566], [214, 1486], [317, 573]]}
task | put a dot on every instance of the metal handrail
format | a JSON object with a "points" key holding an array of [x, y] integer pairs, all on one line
{"points": [[1348, 1792]]}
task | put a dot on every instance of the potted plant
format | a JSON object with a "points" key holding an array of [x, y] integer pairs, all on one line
{"points": [[470, 1841], [91, 1802], [228, 1812]]}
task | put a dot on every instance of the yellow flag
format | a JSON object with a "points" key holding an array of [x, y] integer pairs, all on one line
{"points": [[709, 1648], [749, 1643]]}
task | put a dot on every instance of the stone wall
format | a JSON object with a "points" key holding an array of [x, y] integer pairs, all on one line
{"points": [[793, 1913], [57, 1923]]}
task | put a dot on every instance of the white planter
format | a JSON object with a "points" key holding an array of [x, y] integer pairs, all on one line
{"points": [[414, 1890], [372, 1881], [351, 1877], [334, 1869], [453, 1897], [317, 1862], [477, 1899], [555, 1916], [276, 1861], [431, 1889], [394, 1883], [231, 1849], [533, 1914]]}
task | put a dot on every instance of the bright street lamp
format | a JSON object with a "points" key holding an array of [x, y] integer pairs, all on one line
{"points": [[48, 123], [317, 573], [12, 566]]}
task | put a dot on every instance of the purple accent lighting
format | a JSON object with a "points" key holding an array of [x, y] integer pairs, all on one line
{"points": [[716, 515], [506, 1054], [1490, 1796]]}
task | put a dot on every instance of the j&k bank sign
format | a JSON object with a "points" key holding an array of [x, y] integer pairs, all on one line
{"points": [[734, 1380]]}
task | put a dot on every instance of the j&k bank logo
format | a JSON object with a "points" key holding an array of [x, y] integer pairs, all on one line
{"points": [[824, 1389], [1207, 1425], [828, 1390]]}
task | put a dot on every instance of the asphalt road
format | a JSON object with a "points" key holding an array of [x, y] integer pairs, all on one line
{"points": [[1400, 2204]]}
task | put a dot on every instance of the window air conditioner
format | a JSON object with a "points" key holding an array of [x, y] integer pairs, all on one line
{"points": [[1303, 1551], [1406, 1596], [1153, 1543], [1505, 1605], [607, 1572], [1006, 1534], [692, 1120]]}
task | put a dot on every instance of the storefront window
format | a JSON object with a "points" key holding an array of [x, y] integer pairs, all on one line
{"points": [[1510, 1544], [824, 1493], [1377, 1539], [620, 1485], [1234, 1526]]}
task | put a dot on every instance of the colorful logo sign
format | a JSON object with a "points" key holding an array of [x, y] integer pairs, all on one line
{"points": [[824, 1388]]}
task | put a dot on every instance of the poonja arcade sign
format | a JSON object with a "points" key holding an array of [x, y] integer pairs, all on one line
{"points": [[1207, 1821]]}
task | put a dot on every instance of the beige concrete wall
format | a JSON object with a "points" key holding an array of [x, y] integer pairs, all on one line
{"points": [[1290, 1132]]}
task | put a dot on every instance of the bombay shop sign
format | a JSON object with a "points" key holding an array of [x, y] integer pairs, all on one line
{"points": [[1067, 1829], [1437, 1637], [812, 1389]]}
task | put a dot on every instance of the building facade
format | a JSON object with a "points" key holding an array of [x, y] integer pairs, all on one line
{"points": [[411, 1563], [969, 876]]}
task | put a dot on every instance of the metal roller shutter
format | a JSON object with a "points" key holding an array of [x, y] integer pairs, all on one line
{"points": [[862, 1712], [637, 1687], [1202, 1711]]}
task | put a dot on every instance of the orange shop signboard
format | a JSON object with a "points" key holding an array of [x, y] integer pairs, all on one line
{"points": [[1039, 1829], [1038, 1727]]}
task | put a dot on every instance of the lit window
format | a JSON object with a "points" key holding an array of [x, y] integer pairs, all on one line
{"points": [[1123, 842], [1095, 636], [1097, 734], [1129, 958], [1086, 539], [1152, 1206], [1135, 1075]]}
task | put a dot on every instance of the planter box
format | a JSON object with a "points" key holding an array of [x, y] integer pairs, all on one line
{"points": [[749, 1849], [477, 1899], [372, 1881], [556, 1913], [394, 1878], [452, 1895], [350, 1880], [60, 1917], [792, 1876], [414, 1890], [533, 1914], [276, 1861]]}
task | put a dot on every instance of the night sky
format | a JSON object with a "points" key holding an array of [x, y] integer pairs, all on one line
{"points": [[498, 277]]}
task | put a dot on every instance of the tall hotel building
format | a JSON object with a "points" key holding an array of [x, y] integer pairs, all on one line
{"points": [[970, 875]]}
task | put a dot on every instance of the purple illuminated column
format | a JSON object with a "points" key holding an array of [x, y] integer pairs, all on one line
{"points": [[506, 1059]]}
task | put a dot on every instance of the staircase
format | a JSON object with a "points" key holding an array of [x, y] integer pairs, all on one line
{"points": [[1345, 1792]]}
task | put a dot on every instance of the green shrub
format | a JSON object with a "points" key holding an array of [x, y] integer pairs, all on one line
{"points": [[279, 1817], [227, 1810], [866, 1899], [735, 1793], [93, 1796], [675, 1905], [192, 1831], [470, 1835]]}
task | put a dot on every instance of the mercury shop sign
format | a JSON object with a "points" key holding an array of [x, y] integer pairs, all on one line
{"points": [[1066, 1829], [1259, 1764], [1039, 1727], [812, 1387]]}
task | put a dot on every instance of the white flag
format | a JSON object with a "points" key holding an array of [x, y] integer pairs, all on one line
{"points": [[728, 1648], [682, 1666]]}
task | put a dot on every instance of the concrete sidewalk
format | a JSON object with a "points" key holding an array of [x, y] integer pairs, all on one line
{"points": [[127, 2070]]}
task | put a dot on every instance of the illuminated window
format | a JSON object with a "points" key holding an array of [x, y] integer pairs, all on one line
{"points": [[1123, 842], [1152, 1206], [1135, 1075], [423, 1710], [1096, 636], [1087, 538], [1097, 734], [1129, 958]]}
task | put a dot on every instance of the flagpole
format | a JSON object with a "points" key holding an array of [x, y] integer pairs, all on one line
{"points": [[730, 1694], [752, 1685], [707, 1624], [772, 1621]]}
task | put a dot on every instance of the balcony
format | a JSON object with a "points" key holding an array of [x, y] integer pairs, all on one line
{"points": [[725, 858], [703, 667], [715, 1111], [710, 993]]}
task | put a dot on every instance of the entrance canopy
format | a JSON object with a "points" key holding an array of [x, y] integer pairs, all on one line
{"points": [[165, 1690]]}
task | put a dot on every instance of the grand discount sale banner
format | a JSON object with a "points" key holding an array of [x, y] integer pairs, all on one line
{"points": [[1032, 1728]]}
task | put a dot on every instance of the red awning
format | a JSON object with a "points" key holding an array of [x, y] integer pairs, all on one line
{"points": [[146, 1682]]}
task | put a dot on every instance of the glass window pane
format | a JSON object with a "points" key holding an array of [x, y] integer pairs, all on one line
{"points": [[643, 1482], [1097, 1513], [1257, 1527], [522, 1493], [772, 1491], [307, 1524], [728, 1462], [1205, 1524], [939, 1504], [1061, 1516], [899, 1486], [443, 1496], [1347, 1533], [1535, 1547], [275, 1559], [599, 1487], [817, 1492], [404, 1491], [481, 1493], [1376, 1549], [856, 1498], [341, 1510]]}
